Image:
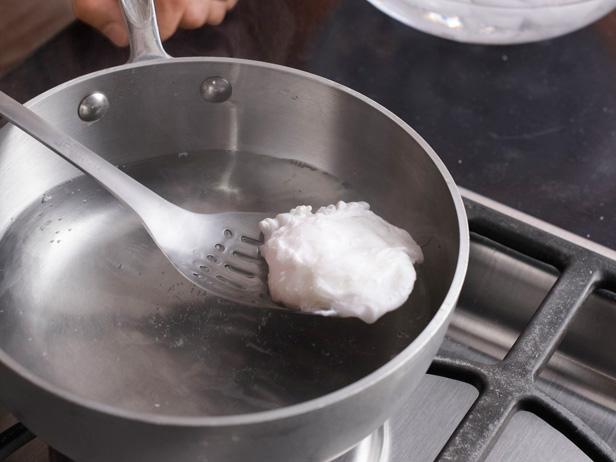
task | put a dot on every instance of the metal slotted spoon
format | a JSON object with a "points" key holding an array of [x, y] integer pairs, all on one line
{"points": [[218, 252]]}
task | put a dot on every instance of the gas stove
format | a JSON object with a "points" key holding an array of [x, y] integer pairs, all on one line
{"points": [[527, 370]]}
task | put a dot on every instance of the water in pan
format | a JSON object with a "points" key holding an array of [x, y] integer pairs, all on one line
{"points": [[88, 303]]}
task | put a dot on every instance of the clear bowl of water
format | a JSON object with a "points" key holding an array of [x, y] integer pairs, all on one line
{"points": [[496, 21]]}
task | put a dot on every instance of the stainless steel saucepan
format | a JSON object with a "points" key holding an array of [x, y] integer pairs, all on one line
{"points": [[107, 353]]}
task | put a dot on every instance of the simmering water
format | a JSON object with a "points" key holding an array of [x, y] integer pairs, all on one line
{"points": [[92, 306]]}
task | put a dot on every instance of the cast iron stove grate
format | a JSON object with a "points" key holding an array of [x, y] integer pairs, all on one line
{"points": [[510, 384]]}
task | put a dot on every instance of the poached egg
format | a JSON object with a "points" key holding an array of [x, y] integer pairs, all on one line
{"points": [[343, 260]]}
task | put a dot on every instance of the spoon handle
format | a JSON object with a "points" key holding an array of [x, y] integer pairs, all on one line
{"points": [[146, 203]]}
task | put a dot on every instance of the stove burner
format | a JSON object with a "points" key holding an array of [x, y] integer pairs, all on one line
{"points": [[495, 391]]}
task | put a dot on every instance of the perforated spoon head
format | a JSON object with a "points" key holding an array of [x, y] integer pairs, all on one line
{"points": [[217, 252]]}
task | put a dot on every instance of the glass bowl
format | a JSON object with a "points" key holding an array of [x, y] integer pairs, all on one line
{"points": [[496, 21]]}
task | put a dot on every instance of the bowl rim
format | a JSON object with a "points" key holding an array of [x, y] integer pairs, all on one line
{"points": [[478, 4]]}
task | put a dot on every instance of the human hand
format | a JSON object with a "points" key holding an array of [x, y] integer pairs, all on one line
{"points": [[106, 16]]}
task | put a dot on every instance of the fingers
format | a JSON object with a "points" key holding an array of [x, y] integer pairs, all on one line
{"points": [[104, 15], [217, 12], [198, 13], [169, 14]]}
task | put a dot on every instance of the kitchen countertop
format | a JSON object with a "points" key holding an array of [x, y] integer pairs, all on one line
{"points": [[532, 126]]}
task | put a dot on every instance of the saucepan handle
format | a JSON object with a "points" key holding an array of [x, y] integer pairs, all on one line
{"points": [[143, 35]]}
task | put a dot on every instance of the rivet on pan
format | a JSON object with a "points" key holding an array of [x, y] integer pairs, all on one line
{"points": [[93, 107], [216, 89]]}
